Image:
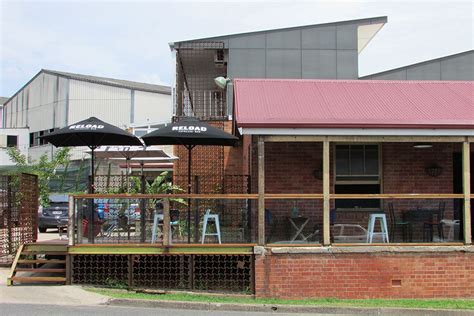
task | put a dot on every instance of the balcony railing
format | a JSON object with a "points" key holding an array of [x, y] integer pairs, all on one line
{"points": [[203, 104], [285, 219]]}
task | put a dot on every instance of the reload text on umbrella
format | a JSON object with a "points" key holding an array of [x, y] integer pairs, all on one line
{"points": [[86, 126], [189, 129]]}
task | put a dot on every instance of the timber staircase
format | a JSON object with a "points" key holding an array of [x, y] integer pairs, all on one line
{"points": [[39, 263]]}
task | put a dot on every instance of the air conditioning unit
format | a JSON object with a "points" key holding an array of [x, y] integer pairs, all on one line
{"points": [[220, 58]]}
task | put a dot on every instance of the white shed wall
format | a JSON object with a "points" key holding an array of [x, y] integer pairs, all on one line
{"points": [[39, 106], [152, 107], [107, 103], [23, 144]]}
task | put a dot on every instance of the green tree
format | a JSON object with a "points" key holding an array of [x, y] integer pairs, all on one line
{"points": [[44, 168]]}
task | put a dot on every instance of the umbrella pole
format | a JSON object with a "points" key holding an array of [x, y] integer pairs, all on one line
{"points": [[189, 192], [92, 171], [91, 189]]}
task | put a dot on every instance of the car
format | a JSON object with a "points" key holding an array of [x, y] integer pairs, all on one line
{"points": [[54, 215]]}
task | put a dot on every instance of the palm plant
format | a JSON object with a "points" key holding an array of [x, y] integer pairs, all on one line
{"points": [[160, 185]]}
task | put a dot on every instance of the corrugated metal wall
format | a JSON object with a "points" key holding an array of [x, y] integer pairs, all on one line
{"points": [[107, 103], [39, 105], [152, 108]]}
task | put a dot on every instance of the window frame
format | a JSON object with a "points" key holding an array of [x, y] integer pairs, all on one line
{"points": [[358, 180]]}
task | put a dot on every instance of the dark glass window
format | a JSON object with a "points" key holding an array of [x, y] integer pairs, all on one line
{"points": [[12, 141], [357, 162]]}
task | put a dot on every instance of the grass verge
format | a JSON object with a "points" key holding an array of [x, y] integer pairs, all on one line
{"points": [[466, 304]]}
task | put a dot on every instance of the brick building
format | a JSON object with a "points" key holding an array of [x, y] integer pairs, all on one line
{"points": [[415, 167]]}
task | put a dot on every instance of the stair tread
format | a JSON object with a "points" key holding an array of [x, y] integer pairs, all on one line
{"points": [[40, 270], [34, 252], [41, 261], [38, 279]]}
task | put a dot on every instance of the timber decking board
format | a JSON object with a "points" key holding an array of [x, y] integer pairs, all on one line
{"points": [[39, 279], [32, 261], [41, 270]]}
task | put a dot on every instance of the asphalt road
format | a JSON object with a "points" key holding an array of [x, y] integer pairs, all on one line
{"points": [[49, 310]]}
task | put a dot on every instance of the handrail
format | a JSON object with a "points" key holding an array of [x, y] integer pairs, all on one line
{"points": [[398, 196], [275, 196], [164, 196]]}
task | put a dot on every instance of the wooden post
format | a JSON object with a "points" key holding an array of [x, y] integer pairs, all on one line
{"points": [[80, 217], [261, 192], [466, 180], [326, 191], [166, 222], [71, 221]]}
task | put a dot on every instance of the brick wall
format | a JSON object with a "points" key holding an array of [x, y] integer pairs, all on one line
{"points": [[365, 275]]}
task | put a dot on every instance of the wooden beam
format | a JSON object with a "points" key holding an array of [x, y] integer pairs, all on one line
{"points": [[326, 194], [366, 139], [466, 180], [398, 196], [261, 191], [230, 196], [14, 264], [166, 222], [298, 138]]}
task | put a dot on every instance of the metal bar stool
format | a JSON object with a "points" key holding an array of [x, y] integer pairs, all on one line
{"points": [[207, 218], [383, 225]]}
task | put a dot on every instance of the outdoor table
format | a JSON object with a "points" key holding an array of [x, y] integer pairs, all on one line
{"points": [[298, 224], [419, 216]]}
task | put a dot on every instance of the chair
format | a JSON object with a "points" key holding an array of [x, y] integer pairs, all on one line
{"points": [[348, 233], [208, 217], [174, 224], [269, 225], [438, 223], [158, 221], [383, 225], [406, 226]]}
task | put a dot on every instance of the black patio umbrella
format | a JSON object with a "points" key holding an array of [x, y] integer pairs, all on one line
{"points": [[189, 132], [92, 133]]}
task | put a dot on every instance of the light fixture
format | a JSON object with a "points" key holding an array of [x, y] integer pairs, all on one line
{"points": [[423, 145], [221, 82]]}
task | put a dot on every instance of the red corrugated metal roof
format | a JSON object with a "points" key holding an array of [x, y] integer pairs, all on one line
{"points": [[270, 103]]}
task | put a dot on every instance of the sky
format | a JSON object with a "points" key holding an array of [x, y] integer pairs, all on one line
{"points": [[129, 39]]}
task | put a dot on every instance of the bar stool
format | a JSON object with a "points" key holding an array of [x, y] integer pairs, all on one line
{"points": [[157, 218], [383, 225], [210, 217]]}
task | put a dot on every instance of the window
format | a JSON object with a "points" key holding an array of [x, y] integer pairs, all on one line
{"points": [[35, 139], [12, 141], [357, 171], [357, 163]]}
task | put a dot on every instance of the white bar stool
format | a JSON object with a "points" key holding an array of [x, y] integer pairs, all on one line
{"points": [[157, 218], [210, 217], [383, 226]]}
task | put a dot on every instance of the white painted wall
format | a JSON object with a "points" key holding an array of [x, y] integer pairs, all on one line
{"points": [[152, 107], [107, 103], [23, 143]]}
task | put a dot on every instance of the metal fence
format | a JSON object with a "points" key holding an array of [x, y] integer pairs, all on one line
{"points": [[18, 213], [202, 272], [133, 219], [202, 184]]}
